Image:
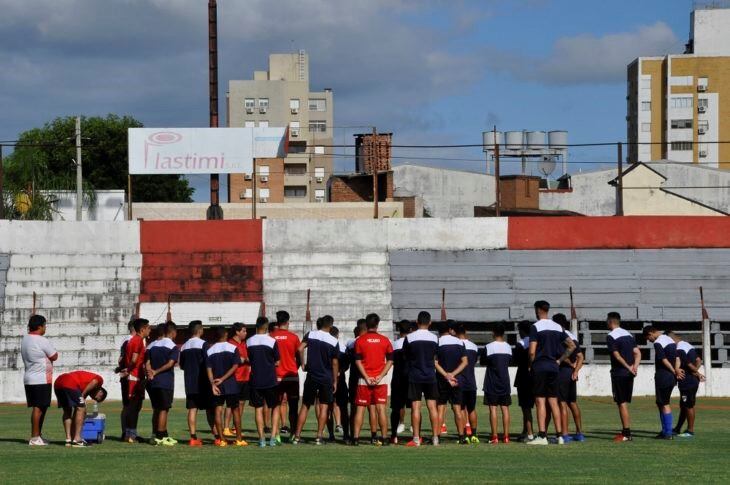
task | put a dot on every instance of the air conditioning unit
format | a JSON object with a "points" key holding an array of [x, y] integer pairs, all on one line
{"points": [[701, 130], [242, 195], [263, 200], [262, 110], [295, 111], [703, 153], [294, 132], [249, 109], [319, 199], [247, 176], [701, 88], [264, 178], [320, 179], [701, 109]]}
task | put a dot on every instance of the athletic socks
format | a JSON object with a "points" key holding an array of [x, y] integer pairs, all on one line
{"points": [[194, 436], [667, 420], [542, 434], [626, 432]]}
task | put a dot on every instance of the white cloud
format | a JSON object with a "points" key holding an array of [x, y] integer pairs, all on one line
{"points": [[587, 58]]}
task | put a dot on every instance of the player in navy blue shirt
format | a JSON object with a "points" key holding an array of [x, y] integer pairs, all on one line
{"points": [[568, 384], [420, 348], [625, 358], [198, 393], [468, 384], [222, 361], [451, 362], [690, 362], [665, 376], [497, 388], [263, 355], [523, 379], [322, 368], [549, 346], [162, 355]]}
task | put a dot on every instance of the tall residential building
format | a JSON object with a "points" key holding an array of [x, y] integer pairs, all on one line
{"points": [[280, 97], [679, 104]]}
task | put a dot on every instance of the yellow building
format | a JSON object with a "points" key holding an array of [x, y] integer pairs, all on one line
{"points": [[679, 105]]}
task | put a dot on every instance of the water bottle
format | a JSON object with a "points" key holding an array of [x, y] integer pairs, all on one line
{"points": [[95, 410]]}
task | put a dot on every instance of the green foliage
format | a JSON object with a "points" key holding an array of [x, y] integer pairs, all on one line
{"points": [[50, 166]]}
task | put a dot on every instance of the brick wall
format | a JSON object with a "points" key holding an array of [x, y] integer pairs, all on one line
{"points": [[519, 192], [371, 158], [359, 188], [275, 184]]}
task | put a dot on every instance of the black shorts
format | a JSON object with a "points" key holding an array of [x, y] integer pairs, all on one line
{"points": [[38, 395], [622, 388], [228, 400], [429, 391], [124, 384], [314, 391], [69, 398], [342, 395], [469, 400], [244, 391], [399, 395], [448, 393], [503, 400], [545, 384], [160, 398], [688, 397], [197, 401], [261, 396], [663, 395], [525, 396], [288, 389], [567, 387]]}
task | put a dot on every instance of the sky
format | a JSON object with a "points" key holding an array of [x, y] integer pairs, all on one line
{"points": [[430, 71]]}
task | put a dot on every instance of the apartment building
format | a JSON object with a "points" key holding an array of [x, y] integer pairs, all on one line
{"points": [[281, 97], [678, 105]]}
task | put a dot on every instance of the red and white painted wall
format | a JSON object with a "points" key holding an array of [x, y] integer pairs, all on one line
{"points": [[89, 277]]}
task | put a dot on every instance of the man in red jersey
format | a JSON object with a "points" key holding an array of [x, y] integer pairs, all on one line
{"points": [[287, 372], [373, 358], [242, 375], [134, 363], [71, 390]]}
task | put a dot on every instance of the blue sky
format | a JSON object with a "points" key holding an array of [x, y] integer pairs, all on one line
{"points": [[432, 72]]}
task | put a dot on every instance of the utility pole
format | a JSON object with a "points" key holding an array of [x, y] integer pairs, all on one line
{"points": [[253, 191], [214, 211], [375, 159], [129, 197], [620, 181], [497, 211], [2, 195], [79, 176]]}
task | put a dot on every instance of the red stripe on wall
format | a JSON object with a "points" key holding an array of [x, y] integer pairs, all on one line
{"points": [[206, 261], [631, 232]]}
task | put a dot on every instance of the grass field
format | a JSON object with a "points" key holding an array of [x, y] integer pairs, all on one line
{"points": [[701, 460]]}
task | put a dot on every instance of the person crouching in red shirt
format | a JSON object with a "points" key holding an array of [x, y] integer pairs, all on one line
{"points": [[71, 390]]}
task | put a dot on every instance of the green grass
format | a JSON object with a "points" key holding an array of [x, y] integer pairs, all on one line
{"points": [[701, 460]]}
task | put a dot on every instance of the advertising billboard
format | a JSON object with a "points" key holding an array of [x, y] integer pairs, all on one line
{"points": [[160, 151]]}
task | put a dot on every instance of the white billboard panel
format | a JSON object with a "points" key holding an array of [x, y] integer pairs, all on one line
{"points": [[211, 314], [159, 151]]}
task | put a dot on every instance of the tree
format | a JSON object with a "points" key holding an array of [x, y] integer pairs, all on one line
{"points": [[46, 163]]}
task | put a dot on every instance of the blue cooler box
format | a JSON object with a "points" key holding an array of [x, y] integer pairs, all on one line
{"points": [[94, 428]]}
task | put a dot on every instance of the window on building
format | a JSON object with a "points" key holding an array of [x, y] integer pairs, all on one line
{"points": [[247, 194], [294, 125], [681, 146], [249, 124], [646, 127], [319, 172], [317, 126], [646, 106], [263, 170], [703, 126], [295, 191], [295, 169], [681, 124], [682, 102], [297, 147], [263, 103], [264, 124], [319, 195], [319, 150], [263, 193], [702, 102], [294, 104], [646, 83], [317, 105], [249, 103]]}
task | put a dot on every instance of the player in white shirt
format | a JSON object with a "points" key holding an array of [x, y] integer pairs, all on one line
{"points": [[38, 356]]}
